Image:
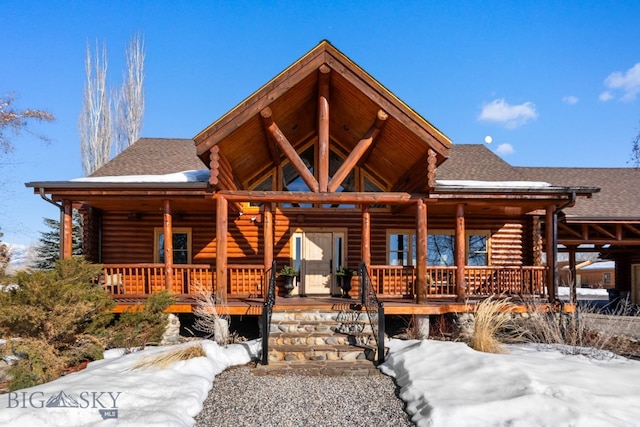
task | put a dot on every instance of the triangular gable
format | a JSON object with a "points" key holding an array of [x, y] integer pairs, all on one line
{"points": [[357, 106]]}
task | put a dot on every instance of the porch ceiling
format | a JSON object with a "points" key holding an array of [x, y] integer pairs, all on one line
{"points": [[354, 101]]}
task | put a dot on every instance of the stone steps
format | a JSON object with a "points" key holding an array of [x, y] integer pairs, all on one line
{"points": [[321, 341]]}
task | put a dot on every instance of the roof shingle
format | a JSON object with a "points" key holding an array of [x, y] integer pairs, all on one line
{"points": [[153, 156]]}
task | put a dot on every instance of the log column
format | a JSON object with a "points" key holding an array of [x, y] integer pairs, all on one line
{"points": [[267, 231], [167, 228], [366, 235], [66, 230], [573, 278], [421, 252], [221, 248], [460, 246], [323, 128], [551, 231]]}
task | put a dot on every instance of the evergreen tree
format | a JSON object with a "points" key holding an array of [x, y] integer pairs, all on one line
{"points": [[48, 249]]}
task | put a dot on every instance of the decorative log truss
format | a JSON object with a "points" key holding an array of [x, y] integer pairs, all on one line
{"points": [[599, 234]]}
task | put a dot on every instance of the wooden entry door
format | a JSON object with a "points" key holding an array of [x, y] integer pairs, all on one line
{"points": [[317, 263]]}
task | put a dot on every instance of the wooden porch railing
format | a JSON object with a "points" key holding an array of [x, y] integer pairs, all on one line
{"points": [[388, 281], [399, 281], [485, 281], [188, 279]]}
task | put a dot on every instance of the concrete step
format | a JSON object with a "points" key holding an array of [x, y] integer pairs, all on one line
{"points": [[357, 368]]}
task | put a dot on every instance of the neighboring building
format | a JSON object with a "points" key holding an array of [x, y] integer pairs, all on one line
{"points": [[323, 168], [596, 274]]}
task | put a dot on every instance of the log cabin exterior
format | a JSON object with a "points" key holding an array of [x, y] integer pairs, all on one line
{"points": [[321, 168]]}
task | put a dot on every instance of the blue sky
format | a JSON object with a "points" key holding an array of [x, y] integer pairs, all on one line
{"points": [[553, 83]]}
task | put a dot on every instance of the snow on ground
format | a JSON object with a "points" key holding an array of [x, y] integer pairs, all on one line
{"points": [[110, 392], [563, 291], [449, 384], [443, 383]]}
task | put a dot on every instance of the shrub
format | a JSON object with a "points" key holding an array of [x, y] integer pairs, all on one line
{"points": [[38, 362], [141, 325], [54, 306], [46, 317]]}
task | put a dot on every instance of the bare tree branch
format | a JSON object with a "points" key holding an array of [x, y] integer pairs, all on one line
{"points": [[96, 131], [17, 121], [130, 102]]}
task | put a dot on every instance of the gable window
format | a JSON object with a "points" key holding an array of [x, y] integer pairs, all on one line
{"points": [[401, 246], [349, 183], [265, 185], [181, 245], [292, 181]]}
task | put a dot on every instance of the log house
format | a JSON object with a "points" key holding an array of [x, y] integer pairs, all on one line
{"points": [[322, 168]]}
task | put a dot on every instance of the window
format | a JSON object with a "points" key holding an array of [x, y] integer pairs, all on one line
{"points": [[181, 245], [440, 248], [399, 251], [606, 278], [265, 185]]}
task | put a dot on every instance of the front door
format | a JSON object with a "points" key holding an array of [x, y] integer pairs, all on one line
{"points": [[317, 263]]}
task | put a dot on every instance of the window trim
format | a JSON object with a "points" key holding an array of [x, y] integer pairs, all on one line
{"points": [[157, 231]]}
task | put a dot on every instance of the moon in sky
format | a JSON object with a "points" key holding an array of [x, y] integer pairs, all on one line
{"points": [[488, 139]]}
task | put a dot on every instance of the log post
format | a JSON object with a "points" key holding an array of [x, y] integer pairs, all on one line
{"points": [[221, 248], [421, 252], [66, 232], [323, 127], [460, 247], [267, 227], [167, 225], [573, 278], [551, 232], [366, 235]]}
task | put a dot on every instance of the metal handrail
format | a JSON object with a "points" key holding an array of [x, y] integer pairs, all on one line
{"points": [[369, 300], [267, 310]]}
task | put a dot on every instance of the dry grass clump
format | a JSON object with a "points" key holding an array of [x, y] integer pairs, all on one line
{"points": [[586, 328], [163, 360], [492, 318], [212, 318]]}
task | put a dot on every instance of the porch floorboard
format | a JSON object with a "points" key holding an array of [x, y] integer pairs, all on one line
{"points": [[253, 306]]}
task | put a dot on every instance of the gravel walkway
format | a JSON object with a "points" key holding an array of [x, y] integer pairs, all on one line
{"points": [[240, 399]]}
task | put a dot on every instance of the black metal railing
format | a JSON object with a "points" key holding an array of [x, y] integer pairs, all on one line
{"points": [[267, 309], [375, 309]]}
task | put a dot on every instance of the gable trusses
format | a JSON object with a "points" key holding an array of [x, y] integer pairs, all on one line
{"points": [[326, 96]]}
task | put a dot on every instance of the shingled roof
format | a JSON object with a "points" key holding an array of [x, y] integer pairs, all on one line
{"points": [[618, 199], [153, 156], [476, 162]]}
